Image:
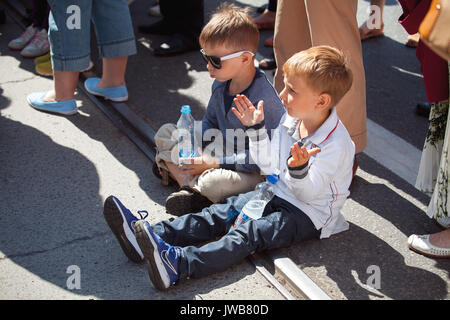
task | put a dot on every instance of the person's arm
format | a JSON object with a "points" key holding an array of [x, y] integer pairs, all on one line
{"points": [[261, 148], [309, 180], [259, 141]]}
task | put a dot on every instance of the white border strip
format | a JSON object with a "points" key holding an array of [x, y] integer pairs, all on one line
{"points": [[298, 278], [392, 152]]}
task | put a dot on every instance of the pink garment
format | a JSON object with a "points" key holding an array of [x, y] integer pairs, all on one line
{"points": [[433, 67]]}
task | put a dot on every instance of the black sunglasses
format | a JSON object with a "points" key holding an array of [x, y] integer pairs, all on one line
{"points": [[216, 62]]}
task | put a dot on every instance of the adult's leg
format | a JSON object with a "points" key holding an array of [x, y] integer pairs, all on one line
{"points": [[116, 41], [64, 85], [291, 35], [340, 30], [40, 14], [186, 17], [374, 25], [69, 45]]}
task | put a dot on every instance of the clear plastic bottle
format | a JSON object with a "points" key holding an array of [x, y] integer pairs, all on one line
{"points": [[186, 138], [254, 208]]}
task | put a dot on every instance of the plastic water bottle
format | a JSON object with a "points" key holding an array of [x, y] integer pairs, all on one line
{"points": [[186, 137], [254, 208]]}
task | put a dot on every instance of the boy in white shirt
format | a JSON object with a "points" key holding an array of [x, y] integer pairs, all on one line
{"points": [[310, 150]]}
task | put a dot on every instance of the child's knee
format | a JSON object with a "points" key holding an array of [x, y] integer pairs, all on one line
{"points": [[165, 141], [217, 184]]}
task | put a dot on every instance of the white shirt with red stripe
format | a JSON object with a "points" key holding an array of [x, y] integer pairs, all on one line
{"points": [[319, 188]]}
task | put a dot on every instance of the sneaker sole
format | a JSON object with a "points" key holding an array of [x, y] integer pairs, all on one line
{"points": [[117, 222], [180, 204], [430, 255], [149, 248], [44, 74], [120, 99], [185, 202], [35, 55], [66, 113]]}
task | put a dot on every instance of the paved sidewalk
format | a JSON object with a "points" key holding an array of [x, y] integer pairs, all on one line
{"points": [[56, 172]]}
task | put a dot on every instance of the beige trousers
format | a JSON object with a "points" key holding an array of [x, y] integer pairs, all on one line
{"points": [[215, 184], [301, 24]]}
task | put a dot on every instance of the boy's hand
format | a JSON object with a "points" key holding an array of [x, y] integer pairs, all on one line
{"points": [[248, 114], [300, 155], [199, 164]]}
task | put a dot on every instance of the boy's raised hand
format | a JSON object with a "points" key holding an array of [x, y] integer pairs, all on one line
{"points": [[246, 112], [300, 155]]}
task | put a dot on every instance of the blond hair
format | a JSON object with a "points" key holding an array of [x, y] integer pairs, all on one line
{"points": [[325, 70], [231, 26]]}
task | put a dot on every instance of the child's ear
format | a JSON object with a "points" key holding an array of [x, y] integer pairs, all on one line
{"points": [[324, 101], [246, 58]]}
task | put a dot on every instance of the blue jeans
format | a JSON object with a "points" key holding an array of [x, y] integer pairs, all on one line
{"points": [[69, 31], [281, 225]]}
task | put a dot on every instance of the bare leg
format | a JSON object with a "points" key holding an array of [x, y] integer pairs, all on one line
{"points": [[65, 84], [181, 178], [374, 25], [113, 72], [413, 40], [441, 239], [266, 20]]}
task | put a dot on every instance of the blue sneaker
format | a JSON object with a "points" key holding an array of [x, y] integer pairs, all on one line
{"points": [[116, 94], [36, 100], [162, 259], [121, 221]]}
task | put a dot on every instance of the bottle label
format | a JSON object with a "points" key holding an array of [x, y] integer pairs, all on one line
{"points": [[241, 219]]}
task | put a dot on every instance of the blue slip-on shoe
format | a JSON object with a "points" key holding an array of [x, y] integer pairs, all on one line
{"points": [[36, 100], [162, 259], [121, 221], [116, 94]]}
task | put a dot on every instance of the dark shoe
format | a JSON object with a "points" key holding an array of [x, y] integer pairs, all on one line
{"points": [[160, 27], [423, 109], [267, 64], [176, 45], [186, 200], [163, 260], [121, 221]]}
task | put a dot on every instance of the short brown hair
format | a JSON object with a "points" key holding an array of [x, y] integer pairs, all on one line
{"points": [[324, 68], [233, 27]]}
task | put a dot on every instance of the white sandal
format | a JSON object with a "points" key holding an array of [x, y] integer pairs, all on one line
{"points": [[421, 244]]}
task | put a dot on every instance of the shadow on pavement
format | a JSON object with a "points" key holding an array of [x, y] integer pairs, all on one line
{"points": [[52, 218], [380, 223], [394, 86]]}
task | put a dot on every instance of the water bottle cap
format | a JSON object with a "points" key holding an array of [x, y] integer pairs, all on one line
{"points": [[185, 109], [273, 178]]}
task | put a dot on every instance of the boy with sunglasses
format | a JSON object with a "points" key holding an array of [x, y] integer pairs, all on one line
{"points": [[313, 153], [229, 42]]}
